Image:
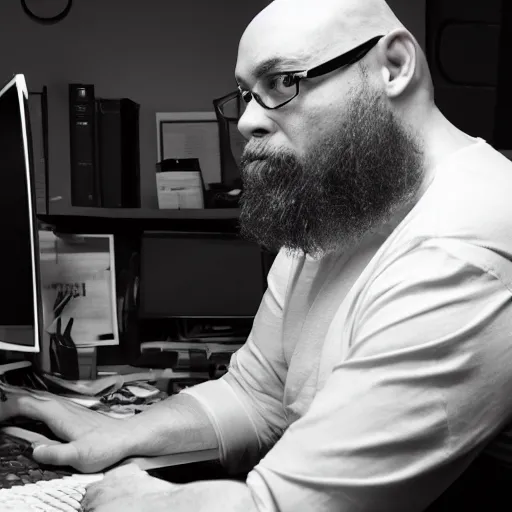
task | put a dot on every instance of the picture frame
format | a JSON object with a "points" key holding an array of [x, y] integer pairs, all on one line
{"points": [[191, 135]]}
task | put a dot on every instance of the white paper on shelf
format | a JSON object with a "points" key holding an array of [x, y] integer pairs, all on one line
{"points": [[179, 190]]}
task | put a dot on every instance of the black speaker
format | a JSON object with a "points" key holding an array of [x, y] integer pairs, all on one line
{"points": [[463, 51]]}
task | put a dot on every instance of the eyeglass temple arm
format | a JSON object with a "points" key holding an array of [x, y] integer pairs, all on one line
{"points": [[343, 60]]}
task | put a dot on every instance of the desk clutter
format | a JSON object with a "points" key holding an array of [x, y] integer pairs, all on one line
{"points": [[184, 352], [115, 395], [203, 347]]}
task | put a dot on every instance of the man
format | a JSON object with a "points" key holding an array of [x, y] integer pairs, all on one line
{"points": [[378, 365]]}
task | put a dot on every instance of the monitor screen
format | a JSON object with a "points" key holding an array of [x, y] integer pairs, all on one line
{"points": [[20, 311], [200, 275]]}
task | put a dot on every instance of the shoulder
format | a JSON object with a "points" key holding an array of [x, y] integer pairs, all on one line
{"points": [[436, 290], [470, 199]]}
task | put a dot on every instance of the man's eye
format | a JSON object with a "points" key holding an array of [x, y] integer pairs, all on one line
{"points": [[282, 83]]}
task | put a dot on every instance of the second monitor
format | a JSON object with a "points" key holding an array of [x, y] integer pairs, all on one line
{"points": [[200, 275]]}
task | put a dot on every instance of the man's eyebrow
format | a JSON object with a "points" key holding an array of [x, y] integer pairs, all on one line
{"points": [[266, 66]]}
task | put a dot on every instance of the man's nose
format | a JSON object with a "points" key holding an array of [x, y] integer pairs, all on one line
{"points": [[255, 121]]}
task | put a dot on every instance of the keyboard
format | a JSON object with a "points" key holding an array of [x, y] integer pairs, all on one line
{"points": [[27, 485], [17, 466], [56, 495]]}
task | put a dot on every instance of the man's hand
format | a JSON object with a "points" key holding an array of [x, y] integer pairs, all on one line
{"points": [[94, 441], [127, 489]]}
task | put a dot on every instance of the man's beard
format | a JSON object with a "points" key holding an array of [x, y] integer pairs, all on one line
{"points": [[348, 184]]}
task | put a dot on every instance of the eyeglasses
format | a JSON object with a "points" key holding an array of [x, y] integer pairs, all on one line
{"points": [[276, 90]]}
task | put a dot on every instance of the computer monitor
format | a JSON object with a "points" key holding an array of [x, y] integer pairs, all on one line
{"points": [[200, 275], [20, 310]]}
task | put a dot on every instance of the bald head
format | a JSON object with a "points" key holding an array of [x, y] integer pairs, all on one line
{"points": [[308, 28], [349, 19], [305, 33]]}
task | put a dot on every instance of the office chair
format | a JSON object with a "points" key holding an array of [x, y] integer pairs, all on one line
{"points": [[484, 486]]}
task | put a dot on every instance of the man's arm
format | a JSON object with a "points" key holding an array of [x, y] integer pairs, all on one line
{"points": [[176, 425], [96, 441], [208, 416], [246, 405]]}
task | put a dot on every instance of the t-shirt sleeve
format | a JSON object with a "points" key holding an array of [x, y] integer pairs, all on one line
{"points": [[425, 385], [246, 405]]}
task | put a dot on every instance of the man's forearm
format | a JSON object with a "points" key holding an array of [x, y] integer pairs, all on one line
{"points": [[177, 424]]}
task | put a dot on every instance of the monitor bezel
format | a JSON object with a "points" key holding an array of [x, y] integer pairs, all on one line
{"points": [[18, 81]]}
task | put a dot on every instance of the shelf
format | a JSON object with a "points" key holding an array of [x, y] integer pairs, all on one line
{"points": [[107, 220], [146, 213]]}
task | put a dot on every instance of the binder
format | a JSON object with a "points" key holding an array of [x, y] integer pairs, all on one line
{"points": [[118, 152], [82, 134]]}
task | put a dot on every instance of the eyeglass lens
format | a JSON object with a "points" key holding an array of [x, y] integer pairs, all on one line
{"points": [[233, 108]]}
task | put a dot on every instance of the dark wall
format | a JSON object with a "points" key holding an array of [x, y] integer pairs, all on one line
{"points": [[412, 14]]}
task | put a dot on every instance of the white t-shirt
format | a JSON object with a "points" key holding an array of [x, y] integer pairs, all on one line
{"points": [[370, 382]]}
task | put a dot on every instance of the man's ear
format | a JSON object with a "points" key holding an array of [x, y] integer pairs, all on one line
{"points": [[398, 61]]}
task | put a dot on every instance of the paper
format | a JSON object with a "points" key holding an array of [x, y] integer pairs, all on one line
{"points": [[78, 283], [85, 388], [197, 139], [142, 391], [179, 190]]}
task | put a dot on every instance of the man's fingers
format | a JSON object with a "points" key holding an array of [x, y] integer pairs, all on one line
{"points": [[116, 484], [56, 454], [76, 454]]}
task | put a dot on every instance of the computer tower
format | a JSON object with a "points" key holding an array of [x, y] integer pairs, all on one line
{"points": [[118, 152], [82, 135]]}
